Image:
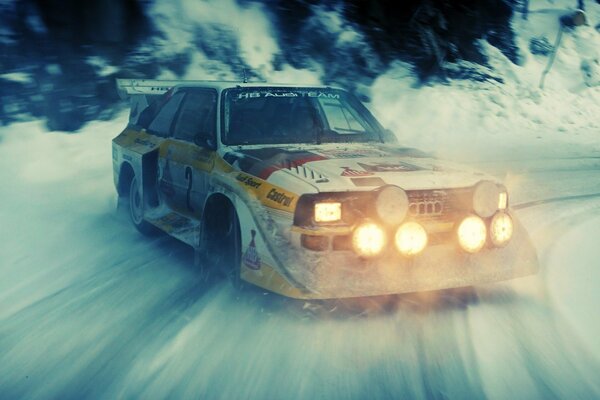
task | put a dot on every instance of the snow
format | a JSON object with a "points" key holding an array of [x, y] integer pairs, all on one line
{"points": [[573, 279], [89, 308], [20, 77], [470, 117], [249, 26]]}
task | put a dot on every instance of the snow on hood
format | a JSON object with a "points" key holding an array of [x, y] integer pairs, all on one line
{"points": [[331, 168]]}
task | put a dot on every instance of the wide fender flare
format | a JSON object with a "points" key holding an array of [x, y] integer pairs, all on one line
{"points": [[253, 216]]}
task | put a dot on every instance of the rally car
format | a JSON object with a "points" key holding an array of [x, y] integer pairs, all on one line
{"points": [[299, 190]]}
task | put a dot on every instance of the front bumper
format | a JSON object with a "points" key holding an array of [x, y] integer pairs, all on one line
{"points": [[341, 274]]}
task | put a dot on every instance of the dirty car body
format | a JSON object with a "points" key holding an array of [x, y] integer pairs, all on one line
{"points": [[324, 202]]}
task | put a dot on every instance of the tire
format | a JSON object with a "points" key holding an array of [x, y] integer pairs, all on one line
{"points": [[136, 210], [221, 254]]}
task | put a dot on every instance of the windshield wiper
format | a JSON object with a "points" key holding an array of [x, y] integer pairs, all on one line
{"points": [[347, 130]]}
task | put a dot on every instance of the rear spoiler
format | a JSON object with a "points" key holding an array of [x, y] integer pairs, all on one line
{"points": [[130, 87], [144, 92]]}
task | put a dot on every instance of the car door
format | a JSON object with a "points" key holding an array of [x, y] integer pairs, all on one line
{"points": [[190, 153], [161, 124], [157, 122]]}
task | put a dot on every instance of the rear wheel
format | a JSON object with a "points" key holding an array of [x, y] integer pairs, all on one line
{"points": [[136, 209]]}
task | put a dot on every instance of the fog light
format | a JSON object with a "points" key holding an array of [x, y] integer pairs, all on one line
{"points": [[472, 234], [486, 199], [392, 205], [501, 229], [368, 239], [411, 239]]}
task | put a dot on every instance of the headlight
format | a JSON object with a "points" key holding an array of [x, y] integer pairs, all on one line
{"points": [[368, 239], [503, 201], [391, 205], [411, 239], [501, 229], [472, 234], [328, 212], [486, 199]]}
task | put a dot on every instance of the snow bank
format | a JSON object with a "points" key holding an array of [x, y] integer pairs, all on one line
{"points": [[471, 117], [246, 30], [461, 119]]}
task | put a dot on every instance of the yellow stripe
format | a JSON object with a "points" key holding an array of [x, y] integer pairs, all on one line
{"points": [[269, 195], [188, 154], [268, 278], [131, 138]]}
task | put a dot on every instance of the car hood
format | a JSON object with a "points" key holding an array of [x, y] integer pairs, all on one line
{"points": [[332, 168]]}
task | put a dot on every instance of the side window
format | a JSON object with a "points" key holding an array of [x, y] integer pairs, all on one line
{"points": [[161, 125], [197, 115]]}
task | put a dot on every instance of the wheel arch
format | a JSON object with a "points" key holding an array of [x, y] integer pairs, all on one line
{"points": [[217, 201], [214, 206]]}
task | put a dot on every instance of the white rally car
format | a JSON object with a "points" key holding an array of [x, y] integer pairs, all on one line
{"points": [[299, 190]]}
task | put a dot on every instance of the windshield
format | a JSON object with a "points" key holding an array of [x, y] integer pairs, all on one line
{"points": [[266, 115]]}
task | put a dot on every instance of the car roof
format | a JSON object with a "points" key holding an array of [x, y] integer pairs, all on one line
{"points": [[221, 85], [131, 87]]}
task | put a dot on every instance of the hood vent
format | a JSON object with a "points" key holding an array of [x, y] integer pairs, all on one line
{"points": [[305, 172]]}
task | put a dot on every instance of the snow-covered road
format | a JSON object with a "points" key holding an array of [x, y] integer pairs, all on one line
{"points": [[89, 308]]}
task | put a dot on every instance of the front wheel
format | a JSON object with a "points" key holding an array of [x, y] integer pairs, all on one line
{"points": [[221, 252], [136, 209]]}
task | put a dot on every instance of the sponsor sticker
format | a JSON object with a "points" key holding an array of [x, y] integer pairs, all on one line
{"points": [[356, 153], [279, 197], [389, 167], [314, 94], [248, 181], [354, 172], [250, 258]]}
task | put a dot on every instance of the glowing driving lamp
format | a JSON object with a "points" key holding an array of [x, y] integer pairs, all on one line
{"points": [[368, 239], [501, 229], [472, 234], [411, 239], [328, 212]]}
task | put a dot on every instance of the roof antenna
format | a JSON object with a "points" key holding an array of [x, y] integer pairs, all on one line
{"points": [[245, 76]]}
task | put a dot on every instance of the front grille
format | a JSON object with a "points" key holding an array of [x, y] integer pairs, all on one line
{"points": [[440, 205], [437, 204]]}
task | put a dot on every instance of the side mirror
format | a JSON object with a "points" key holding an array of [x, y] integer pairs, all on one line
{"points": [[574, 19], [389, 136], [205, 140]]}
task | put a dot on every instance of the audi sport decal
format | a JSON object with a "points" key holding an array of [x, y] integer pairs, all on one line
{"points": [[248, 181], [250, 258]]}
